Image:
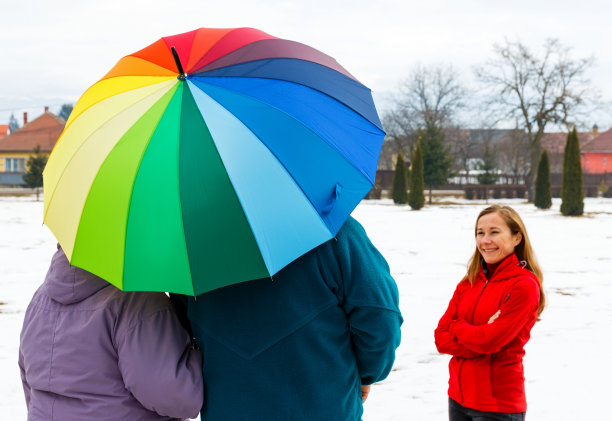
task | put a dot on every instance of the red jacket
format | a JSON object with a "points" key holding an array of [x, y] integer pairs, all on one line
{"points": [[486, 371]]}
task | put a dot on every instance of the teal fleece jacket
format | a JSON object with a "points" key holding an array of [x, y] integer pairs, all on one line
{"points": [[299, 346]]}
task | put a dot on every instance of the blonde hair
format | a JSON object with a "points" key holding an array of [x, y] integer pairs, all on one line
{"points": [[524, 251]]}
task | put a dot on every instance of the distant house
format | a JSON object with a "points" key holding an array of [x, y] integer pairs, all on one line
{"points": [[596, 155], [17, 147], [4, 128], [554, 143], [512, 152]]}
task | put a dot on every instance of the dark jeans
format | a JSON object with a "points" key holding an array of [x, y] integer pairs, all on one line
{"points": [[457, 412]]}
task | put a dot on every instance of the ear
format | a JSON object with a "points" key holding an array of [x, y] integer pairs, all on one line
{"points": [[517, 239]]}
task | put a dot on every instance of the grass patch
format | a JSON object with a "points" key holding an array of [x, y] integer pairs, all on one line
{"points": [[595, 213], [447, 203], [16, 194], [564, 292]]}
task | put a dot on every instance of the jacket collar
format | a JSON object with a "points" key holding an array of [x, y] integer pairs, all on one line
{"points": [[506, 269]]}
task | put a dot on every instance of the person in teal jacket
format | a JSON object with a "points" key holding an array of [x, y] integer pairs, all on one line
{"points": [[305, 344]]}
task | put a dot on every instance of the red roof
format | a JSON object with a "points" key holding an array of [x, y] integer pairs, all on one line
{"points": [[3, 130], [555, 142], [602, 143], [43, 131]]}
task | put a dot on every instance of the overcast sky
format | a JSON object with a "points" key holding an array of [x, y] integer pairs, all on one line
{"points": [[52, 51]]}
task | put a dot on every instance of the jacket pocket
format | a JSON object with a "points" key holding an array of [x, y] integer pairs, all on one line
{"points": [[476, 381], [492, 374]]}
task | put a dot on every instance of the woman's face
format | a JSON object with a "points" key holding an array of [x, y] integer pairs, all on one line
{"points": [[494, 239]]}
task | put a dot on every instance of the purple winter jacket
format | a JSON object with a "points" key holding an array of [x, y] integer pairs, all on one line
{"points": [[92, 352]]}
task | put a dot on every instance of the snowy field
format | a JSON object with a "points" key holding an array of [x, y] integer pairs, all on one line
{"points": [[567, 366]]}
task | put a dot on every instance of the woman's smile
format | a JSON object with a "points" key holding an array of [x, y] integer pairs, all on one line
{"points": [[494, 239]]}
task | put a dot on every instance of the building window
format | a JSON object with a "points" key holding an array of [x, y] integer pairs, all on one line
{"points": [[14, 164]]}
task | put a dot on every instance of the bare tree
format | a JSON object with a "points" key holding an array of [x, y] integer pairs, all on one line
{"points": [[536, 90], [399, 138], [514, 156], [430, 96], [463, 149]]}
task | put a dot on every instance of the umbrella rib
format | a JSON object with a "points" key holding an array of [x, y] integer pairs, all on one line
{"points": [[229, 33], [136, 58], [213, 66], [269, 264], [298, 121], [76, 151], [166, 78], [178, 189], [204, 74], [180, 202], [277, 160], [127, 215]]}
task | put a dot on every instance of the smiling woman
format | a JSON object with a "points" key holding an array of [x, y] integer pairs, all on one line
{"points": [[494, 239], [489, 319]]}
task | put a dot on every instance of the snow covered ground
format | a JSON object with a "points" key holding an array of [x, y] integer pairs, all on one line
{"points": [[567, 365]]}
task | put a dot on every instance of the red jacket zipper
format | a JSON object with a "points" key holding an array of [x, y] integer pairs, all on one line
{"points": [[472, 322], [477, 300]]}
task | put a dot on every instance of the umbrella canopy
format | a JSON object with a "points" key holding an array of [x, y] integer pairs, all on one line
{"points": [[210, 158]]}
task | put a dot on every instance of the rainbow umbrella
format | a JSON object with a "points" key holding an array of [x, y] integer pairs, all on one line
{"points": [[184, 181]]}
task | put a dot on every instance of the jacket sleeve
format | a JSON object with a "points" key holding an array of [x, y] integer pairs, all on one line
{"points": [[24, 382], [520, 306], [161, 367], [370, 299], [446, 343]]}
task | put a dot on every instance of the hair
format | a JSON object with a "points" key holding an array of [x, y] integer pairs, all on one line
{"points": [[524, 251]]}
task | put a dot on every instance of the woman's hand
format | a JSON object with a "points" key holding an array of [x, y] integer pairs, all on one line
{"points": [[365, 391], [494, 317]]}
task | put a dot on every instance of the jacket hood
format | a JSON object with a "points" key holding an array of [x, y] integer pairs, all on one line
{"points": [[69, 284]]}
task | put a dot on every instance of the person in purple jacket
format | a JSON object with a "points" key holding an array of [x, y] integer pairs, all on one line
{"points": [[90, 351]]}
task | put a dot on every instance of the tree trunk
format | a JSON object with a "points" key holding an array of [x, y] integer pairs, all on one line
{"points": [[530, 176]]}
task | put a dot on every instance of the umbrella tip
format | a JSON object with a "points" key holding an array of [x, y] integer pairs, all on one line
{"points": [[179, 66]]}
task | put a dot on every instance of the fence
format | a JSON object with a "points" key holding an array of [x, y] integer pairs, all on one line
{"points": [[495, 191], [591, 183], [11, 179]]}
